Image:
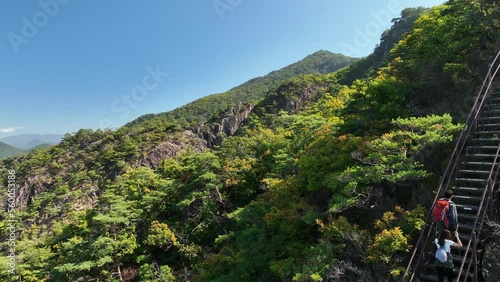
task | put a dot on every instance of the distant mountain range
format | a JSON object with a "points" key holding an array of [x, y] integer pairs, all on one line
{"points": [[19, 144], [7, 150]]}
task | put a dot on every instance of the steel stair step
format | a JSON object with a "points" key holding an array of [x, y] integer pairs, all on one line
{"points": [[493, 100], [468, 184], [488, 104], [481, 147], [432, 276], [495, 118], [464, 248], [428, 277], [488, 147], [486, 140], [469, 208], [489, 132], [491, 105], [488, 164], [470, 171], [493, 112], [488, 109], [466, 226], [472, 156], [465, 237], [464, 216], [472, 180], [457, 259], [473, 190], [488, 125], [467, 198]]}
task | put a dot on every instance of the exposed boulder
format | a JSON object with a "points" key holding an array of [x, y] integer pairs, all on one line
{"points": [[228, 123], [169, 148]]}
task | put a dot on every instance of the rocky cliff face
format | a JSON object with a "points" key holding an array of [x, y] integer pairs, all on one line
{"points": [[41, 180], [287, 97], [227, 125], [170, 147], [78, 189], [393, 35], [83, 186], [290, 96], [196, 139], [292, 104]]}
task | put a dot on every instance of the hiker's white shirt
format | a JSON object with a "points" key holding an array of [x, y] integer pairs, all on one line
{"points": [[447, 244]]}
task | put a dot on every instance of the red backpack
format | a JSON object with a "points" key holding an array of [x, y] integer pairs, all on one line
{"points": [[440, 210]]}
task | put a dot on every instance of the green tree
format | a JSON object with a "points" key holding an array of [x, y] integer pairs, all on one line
{"points": [[392, 156]]}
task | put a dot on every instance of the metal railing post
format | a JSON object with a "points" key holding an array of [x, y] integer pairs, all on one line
{"points": [[474, 250]]}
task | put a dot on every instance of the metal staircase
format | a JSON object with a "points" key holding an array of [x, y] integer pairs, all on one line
{"points": [[472, 176]]}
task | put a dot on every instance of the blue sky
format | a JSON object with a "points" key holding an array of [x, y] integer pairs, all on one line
{"points": [[71, 64]]}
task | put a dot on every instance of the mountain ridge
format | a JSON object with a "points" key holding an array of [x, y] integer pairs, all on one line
{"points": [[251, 91], [29, 141], [7, 150]]}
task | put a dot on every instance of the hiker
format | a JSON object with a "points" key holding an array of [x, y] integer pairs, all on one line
{"points": [[445, 214], [443, 262]]}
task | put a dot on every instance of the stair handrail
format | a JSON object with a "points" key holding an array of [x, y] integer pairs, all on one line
{"points": [[452, 163], [471, 123], [485, 200]]}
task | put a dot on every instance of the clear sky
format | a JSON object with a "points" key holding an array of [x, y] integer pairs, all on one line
{"points": [[71, 64]]}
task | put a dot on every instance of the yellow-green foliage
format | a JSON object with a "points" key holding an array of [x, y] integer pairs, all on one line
{"points": [[160, 235], [294, 196]]}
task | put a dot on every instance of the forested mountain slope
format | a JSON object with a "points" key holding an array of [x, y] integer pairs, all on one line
{"points": [[366, 66], [209, 107], [313, 181], [7, 150]]}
